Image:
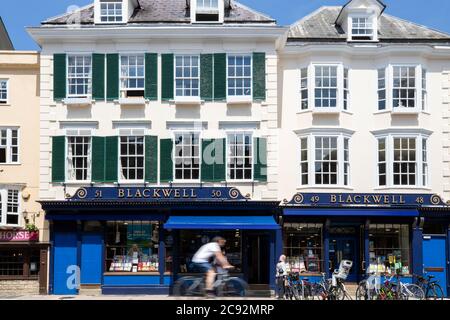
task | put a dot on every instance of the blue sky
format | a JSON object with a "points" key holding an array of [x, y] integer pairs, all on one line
{"points": [[432, 13]]}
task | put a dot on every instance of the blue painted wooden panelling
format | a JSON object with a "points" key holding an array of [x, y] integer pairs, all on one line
{"points": [[435, 256], [131, 280], [65, 258], [91, 258]]}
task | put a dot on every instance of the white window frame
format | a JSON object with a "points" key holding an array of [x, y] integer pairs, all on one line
{"points": [[424, 85], [9, 145], [130, 132], [78, 133], [200, 156], [125, 78], [368, 25], [227, 154], [115, 15], [183, 78], [89, 78], [242, 97], [4, 206], [340, 88], [306, 88], [209, 7], [5, 101], [310, 136], [419, 137], [384, 88]]}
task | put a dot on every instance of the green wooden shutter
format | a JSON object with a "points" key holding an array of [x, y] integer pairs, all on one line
{"points": [[260, 159], [220, 76], [151, 76], [259, 76], [98, 159], [59, 76], [166, 162], [213, 160], [111, 158], [206, 77], [151, 159], [167, 77], [112, 91], [98, 76], [59, 159]]}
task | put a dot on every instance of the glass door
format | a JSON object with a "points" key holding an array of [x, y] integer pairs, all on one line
{"points": [[344, 249]]}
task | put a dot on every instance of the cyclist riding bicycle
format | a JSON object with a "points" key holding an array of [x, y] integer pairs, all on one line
{"points": [[204, 256]]}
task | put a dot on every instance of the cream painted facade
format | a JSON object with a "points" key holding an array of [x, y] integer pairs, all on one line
{"points": [[363, 121], [22, 111]]}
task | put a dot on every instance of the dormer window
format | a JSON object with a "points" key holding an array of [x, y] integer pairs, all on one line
{"points": [[207, 11], [362, 28], [111, 11]]}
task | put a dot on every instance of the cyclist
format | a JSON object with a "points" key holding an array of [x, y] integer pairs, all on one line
{"points": [[205, 255], [281, 276]]}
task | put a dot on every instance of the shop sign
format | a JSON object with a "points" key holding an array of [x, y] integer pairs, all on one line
{"points": [[366, 199], [18, 236], [158, 194]]}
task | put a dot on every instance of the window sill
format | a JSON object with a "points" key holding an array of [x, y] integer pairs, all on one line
{"points": [[10, 164], [131, 182], [186, 181], [333, 111], [131, 101], [403, 187], [5, 104], [305, 111], [187, 101], [239, 100], [76, 183], [405, 111], [325, 187], [77, 101]]}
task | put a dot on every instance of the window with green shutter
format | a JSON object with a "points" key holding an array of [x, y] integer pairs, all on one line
{"points": [[213, 160], [98, 159], [259, 76], [151, 76], [59, 76], [167, 77], [166, 161], [98, 76], [260, 159], [206, 77], [112, 82], [220, 76], [151, 159], [59, 159], [111, 159]]}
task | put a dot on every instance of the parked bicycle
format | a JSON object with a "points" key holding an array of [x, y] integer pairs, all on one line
{"points": [[224, 286], [431, 287], [297, 288]]}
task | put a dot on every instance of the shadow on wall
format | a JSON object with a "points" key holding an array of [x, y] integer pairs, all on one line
{"points": [[239, 110], [187, 112], [404, 120], [326, 119], [79, 112], [132, 112]]}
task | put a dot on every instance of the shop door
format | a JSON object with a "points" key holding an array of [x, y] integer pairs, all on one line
{"points": [[344, 248], [258, 258], [434, 259]]}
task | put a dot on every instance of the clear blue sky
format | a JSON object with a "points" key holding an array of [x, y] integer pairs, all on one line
{"points": [[18, 14]]}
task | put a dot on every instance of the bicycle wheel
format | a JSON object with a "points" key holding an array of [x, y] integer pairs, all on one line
{"points": [[362, 292], [412, 292], [436, 292], [233, 287], [188, 286]]}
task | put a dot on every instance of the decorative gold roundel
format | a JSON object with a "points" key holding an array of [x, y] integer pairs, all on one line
{"points": [[234, 193], [82, 193], [298, 198], [435, 199]]}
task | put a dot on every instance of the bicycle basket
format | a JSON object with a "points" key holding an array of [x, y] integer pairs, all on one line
{"points": [[344, 269]]}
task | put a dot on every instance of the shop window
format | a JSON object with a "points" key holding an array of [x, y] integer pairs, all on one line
{"points": [[187, 156], [23, 263], [389, 248], [303, 247], [191, 241], [132, 76], [132, 246]]}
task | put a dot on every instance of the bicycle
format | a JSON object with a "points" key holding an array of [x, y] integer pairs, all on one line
{"points": [[224, 286], [400, 291], [431, 287]]}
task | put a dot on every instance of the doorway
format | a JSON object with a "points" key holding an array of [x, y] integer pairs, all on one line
{"points": [[435, 259], [257, 251], [344, 247]]}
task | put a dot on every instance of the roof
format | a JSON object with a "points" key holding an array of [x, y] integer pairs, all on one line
{"points": [[5, 40], [163, 11], [321, 25]]}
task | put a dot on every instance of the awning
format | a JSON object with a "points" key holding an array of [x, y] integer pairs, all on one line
{"points": [[222, 223], [361, 212]]}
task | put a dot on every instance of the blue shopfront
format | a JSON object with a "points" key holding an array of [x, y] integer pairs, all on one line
{"points": [[140, 240], [384, 233]]}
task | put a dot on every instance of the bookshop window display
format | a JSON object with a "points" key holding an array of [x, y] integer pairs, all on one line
{"points": [[389, 248], [132, 246], [192, 240], [303, 247]]}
